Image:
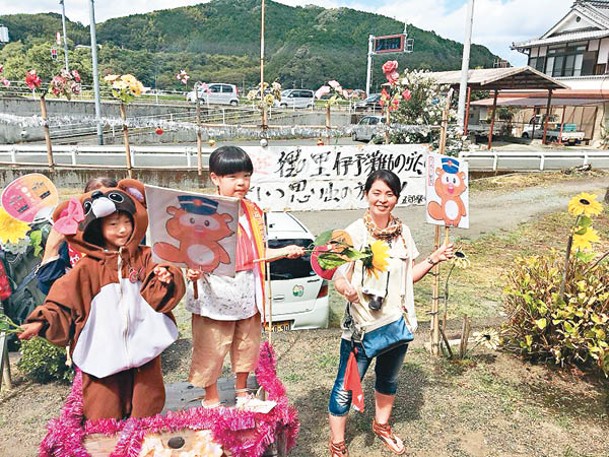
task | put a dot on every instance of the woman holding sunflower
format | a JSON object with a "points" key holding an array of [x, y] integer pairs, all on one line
{"points": [[379, 291]]}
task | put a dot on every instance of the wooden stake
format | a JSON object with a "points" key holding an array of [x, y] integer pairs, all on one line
{"points": [[199, 138], [47, 135], [435, 301], [328, 124], [123, 111]]}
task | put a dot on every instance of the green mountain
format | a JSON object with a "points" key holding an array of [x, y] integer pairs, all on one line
{"points": [[220, 41]]}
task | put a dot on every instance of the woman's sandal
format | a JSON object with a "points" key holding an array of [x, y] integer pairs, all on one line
{"points": [[338, 449], [391, 441]]}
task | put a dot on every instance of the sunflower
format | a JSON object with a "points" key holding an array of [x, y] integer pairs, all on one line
{"points": [[584, 241], [488, 337], [585, 204], [460, 259], [11, 230], [380, 255]]}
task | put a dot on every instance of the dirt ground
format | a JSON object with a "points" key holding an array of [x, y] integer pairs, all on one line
{"points": [[493, 405]]}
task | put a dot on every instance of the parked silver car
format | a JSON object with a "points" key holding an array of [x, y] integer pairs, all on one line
{"points": [[367, 128], [216, 94], [296, 98]]}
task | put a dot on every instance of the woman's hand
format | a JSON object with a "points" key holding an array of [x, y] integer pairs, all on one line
{"points": [[293, 252], [163, 274], [30, 330], [193, 275], [444, 252], [345, 288]]}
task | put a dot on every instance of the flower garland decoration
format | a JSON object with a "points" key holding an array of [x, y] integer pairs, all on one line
{"points": [[125, 87], [183, 77], [66, 83], [66, 434], [266, 97], [5, 82], [32, 80], [392, 96]]}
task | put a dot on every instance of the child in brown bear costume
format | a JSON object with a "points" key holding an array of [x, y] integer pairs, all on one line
{"points": [[114, 307]]}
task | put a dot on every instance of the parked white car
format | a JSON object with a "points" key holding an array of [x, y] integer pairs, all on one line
{"points": [[299, 297], [367, 128], [296, 98], [216, 94]]}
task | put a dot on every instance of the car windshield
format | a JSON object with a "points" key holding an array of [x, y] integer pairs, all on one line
{"points": [[291, 268]]}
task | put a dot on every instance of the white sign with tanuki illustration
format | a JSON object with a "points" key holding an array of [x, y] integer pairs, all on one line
{"points": [[447, 196]]}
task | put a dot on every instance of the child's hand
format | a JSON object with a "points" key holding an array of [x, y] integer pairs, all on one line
{"points": [[163, 274], [193, 275], [293, 252], [30, 330]]}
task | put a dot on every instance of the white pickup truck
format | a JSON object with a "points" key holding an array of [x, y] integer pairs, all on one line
{"points": [[569, 134]]}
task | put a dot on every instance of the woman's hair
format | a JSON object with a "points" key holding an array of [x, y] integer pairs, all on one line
{"points": [[388, 177], [227, 160], [101, 181]]}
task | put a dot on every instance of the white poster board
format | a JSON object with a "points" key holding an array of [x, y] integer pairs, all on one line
{"points": [[447, 196], [312, 178], [193, 230]]}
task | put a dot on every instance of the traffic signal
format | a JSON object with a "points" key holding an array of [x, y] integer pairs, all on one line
{"points": [[53, 53]]}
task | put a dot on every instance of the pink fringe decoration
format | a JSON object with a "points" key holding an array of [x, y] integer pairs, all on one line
{"points": [[243, 433]]}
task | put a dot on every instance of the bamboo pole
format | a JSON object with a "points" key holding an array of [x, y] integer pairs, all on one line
{"points": [[199, 136], [328, 124], [264, 107], [123, 111], [47, 134], [435, 301]]}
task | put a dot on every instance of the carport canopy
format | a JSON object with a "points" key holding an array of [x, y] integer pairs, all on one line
{"points": [[496, 79]]}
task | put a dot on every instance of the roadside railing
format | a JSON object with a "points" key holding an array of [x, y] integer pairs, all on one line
{"points": [[534, 160]]}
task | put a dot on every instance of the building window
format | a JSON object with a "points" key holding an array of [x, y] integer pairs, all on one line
{"points": [[566, 60], [538, 63]]}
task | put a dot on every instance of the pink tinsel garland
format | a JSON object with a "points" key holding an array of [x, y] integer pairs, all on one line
{"points": [[66, 434]]}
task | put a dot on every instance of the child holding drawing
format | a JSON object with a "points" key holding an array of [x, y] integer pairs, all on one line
{"points": [[226, 312]]}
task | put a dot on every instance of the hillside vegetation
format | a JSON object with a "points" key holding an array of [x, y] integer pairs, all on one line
{"points": [[220, 41]]}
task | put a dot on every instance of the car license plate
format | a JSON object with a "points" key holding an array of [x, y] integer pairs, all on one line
{"points": [[282, 326]]}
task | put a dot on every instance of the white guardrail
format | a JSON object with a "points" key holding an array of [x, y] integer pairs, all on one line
{"points": [[185, 157]]}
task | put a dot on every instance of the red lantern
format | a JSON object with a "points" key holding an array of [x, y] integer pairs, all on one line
{"points": [[159, 131]]}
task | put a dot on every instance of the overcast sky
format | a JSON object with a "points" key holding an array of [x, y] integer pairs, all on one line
{"points": [[497, 23]]}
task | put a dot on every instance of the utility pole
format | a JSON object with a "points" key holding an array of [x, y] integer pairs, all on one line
{"points": [[100, 132], [65, 36], [465, 65], [369, 68]]}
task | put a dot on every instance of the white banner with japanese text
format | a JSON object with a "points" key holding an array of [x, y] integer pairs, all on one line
{"points": [[312, 178]]}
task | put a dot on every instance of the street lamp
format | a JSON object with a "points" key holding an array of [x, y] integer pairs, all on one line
{"points": [[100, 133], [465, 65], [65, 37]]}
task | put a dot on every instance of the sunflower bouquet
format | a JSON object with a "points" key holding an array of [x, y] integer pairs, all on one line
{"points": [[334, 248]]}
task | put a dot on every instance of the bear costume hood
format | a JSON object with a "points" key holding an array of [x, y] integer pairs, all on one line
{"points": [[79, 219]]}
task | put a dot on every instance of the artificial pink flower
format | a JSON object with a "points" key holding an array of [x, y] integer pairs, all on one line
{"points": [[334, 84], [183, 77], [323, 90], [32, 80], [384, 97], [76, 76], [390, 66], [5, 81], [1, 68], [395, 103], [392, 77], [406, 95]]}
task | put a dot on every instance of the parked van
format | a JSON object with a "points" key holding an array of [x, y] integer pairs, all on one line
{"points": [[299, 297], [296, 98], [217, 93]]}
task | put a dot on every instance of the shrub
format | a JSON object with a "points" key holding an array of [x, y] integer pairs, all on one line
{"points": [[542, 326], [44, 362]]}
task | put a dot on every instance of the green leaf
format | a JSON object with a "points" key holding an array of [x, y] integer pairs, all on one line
{"points": [[541, 323], [585, 221], [323, 238], [36, 241]]}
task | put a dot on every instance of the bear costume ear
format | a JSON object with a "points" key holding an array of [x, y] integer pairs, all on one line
{"points": [[134, 188]]}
